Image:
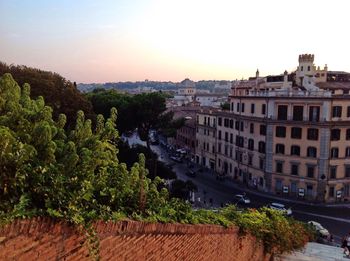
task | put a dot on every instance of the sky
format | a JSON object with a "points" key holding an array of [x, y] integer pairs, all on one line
{"points": [[170, 40]]}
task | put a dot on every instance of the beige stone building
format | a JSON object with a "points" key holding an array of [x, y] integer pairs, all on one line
{"points": [[287, 134]]}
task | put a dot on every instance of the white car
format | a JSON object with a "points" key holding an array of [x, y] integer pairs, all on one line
{"points": [[282, 208], [319, 228], [242, 199]]}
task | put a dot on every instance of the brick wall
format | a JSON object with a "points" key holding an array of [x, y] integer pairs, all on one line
{"points": [[47, 239]]}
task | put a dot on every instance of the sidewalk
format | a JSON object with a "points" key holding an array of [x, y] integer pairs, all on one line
{"points": [[242, 187], [316, 252]]}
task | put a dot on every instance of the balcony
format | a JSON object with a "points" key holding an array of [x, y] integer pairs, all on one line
{"points": [[290, 93]]}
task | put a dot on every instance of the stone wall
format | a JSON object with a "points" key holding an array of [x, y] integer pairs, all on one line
{"points": [[47, 239]]}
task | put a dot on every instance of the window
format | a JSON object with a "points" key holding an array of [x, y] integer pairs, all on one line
{"points": [[312, 134], [232, 106], [312, 152], [208, 121], [347, 152], [205, 120], [242, 107], [310, 171], [237, 109], [333, 172], [348, 134], [219, 147], [302, 68], [279, 167], [278, 185], [241, 125], [239, 141], [220, 121], [295, 150], [262, 129], [219, 136], [261, 147], [298, 113], [336, 111], [308, 67], [252, 108], [294, 169], [335, 134], [280, 131], [282, 112], [347, 171], [226, 136], [250, 144], [213, 149], [334, 153], [231, 138], [348, 112], [296, 133], [237, 125], [261, 164], [314, 113], [263, 109], [252, 128], [250, 159], [231, 124], [331, 192], [279, 149], [226, 123]]}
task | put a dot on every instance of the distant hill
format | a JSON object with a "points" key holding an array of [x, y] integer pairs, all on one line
{"points": [[87, 87]]}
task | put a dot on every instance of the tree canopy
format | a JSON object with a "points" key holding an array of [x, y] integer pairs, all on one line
{"points": [[73, 174], [144, 111], [59, 93]]}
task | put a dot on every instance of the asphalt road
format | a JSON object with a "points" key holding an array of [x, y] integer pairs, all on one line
{"points": [[335, 218]]}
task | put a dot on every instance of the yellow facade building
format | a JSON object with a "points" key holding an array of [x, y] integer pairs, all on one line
{"points": [[287, 134]]}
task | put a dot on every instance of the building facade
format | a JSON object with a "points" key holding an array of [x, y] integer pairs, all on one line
{"points": [[287, 134]]}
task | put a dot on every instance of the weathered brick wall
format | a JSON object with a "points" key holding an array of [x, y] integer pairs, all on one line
{"points": [[46, 239]]}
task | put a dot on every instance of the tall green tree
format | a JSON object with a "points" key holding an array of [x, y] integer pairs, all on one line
{"points": [[60, 94], [73, 174]]}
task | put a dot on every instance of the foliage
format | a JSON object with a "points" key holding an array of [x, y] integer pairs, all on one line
{"points": [[75, 175], [181, 189], [129, 155], [59, 93], [278, 233], [144, 111], [225, 106]]}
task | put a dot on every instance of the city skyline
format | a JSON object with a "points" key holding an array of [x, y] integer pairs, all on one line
{"points": [[111, 41]]}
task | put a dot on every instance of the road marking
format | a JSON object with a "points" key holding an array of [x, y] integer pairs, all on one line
{"points": [[323, 216]]}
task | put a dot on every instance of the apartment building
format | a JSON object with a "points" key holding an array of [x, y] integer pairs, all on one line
{"points": [[287, 134]]}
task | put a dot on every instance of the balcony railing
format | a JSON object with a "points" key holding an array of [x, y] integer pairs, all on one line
{"points": [[290, 93]]}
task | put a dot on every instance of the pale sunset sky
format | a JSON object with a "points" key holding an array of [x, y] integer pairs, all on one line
{"points": [[133, 40]]}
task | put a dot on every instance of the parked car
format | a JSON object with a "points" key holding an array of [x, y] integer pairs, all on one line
{"points": [[176, 159], [191, 173], [281, 207], [242, 199], [319, 228]]}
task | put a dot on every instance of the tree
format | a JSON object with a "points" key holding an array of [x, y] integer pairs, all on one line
{"points": [[150, 114], [59, 93], [225, 106], [72, 174], [102, 102]]}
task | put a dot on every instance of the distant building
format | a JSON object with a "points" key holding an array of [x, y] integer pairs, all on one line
{"points": [[286, 134], [188, 94], [186, 135]]}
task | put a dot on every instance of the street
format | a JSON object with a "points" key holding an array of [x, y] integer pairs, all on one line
{"points": [[335, 218]]}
